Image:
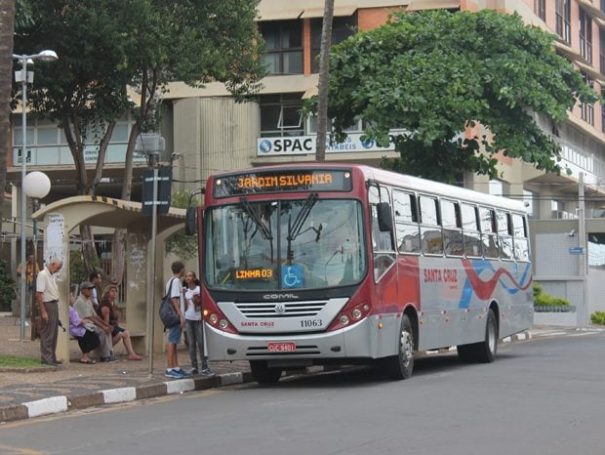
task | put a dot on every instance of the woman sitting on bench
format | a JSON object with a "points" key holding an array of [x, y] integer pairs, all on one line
{"points": [[109, 313]]}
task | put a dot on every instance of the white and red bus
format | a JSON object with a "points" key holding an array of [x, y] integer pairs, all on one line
{"points": [[344, 264]]}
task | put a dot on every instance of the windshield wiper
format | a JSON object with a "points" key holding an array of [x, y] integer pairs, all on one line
{"points": [[265, 231], [295, 228]]}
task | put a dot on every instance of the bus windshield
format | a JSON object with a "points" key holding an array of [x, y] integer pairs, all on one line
{"points": [[285, 244]]}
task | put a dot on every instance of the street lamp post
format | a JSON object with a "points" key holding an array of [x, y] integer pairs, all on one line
{"points": [[22, 76]]}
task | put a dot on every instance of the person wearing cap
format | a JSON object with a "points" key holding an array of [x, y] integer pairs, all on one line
{"points": [[85, 309]]}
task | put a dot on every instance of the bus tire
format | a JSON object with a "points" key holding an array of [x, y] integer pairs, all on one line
{"points": [[485, 351], [263, 374], [401, 366]]}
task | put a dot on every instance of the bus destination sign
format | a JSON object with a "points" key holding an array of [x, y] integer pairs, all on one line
{"points": [[272, 182]]}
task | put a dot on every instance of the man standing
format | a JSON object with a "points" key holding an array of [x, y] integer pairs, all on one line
{"points": [[85, 309], [173, 334], [47, 296]]}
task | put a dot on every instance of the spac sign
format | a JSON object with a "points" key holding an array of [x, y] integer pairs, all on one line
{"points": [[305, 145]]}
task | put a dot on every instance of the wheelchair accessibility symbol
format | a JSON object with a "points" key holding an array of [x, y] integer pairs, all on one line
{"points": [[292, 276]]}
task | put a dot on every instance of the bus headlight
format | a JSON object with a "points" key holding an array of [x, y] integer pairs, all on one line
{"points": [[344, 319], [356, 313], [223, 324], [213, 319]]}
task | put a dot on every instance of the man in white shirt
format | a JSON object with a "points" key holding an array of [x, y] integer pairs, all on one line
{"points": [[47, 297], [94, 323]]}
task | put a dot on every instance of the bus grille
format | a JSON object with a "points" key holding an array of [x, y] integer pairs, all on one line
{"points": [[281, 309]]}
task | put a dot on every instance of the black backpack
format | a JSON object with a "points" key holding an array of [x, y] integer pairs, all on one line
{"points": [[168, 315]]}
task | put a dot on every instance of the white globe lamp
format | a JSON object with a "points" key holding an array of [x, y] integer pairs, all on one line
{"points": [[36, 185]]}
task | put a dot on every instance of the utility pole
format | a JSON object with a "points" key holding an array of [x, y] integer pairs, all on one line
{"points": [[583, 311], [322, 88]]}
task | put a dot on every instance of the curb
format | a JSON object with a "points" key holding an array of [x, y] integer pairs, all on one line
{"points": [[63, 403], [523, 336]]}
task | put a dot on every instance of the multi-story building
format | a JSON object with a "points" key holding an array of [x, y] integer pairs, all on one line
{"points": [[211, 132]]}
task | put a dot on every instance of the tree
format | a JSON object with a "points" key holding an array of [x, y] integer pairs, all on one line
{"points": [[323, 84], [193, 41], [429, 74], [106, 46]]}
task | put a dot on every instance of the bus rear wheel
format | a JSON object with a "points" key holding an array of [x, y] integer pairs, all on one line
{"points": [[401, 366], [484, 351], [263, 374]]}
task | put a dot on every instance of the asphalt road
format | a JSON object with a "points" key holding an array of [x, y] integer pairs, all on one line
{"points": [[539, 397]]}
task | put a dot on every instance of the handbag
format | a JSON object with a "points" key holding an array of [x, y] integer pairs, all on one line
{"points": [[168, 314]]}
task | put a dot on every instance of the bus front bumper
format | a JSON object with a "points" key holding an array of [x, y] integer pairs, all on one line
{"points": [[370, 338]]}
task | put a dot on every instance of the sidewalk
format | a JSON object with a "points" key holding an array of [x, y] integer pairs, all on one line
{"points": [[47, 390]]}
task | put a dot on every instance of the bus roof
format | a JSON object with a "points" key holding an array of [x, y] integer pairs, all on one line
{"points": [[403, 181]]}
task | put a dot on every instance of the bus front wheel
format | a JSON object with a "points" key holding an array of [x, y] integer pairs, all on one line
{"points": [[263, 374], [401, 366], [484, 351]]}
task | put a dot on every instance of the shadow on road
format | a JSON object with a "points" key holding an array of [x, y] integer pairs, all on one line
{"points": [[356, 376]]}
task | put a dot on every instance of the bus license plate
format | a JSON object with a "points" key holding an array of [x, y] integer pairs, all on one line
{"points": [[287, 346]]}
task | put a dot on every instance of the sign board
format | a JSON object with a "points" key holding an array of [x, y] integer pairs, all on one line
{"points": [[576, 250], [305, 145], [164, 186]]}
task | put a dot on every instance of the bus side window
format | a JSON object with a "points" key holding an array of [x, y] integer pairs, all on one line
{"points": [[406, 222], [430, 230], [470, 230], [505, 237], [488, 232], [382, 241], [452, 228], [520, 241]]}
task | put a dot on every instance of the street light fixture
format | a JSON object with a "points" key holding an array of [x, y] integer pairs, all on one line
{"points": [[24, 77]]}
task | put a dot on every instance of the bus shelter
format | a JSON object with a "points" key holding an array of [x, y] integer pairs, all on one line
{"points": [[63, 217]]}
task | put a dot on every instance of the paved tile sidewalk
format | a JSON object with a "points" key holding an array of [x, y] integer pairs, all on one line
{"points": [[76, 385]]}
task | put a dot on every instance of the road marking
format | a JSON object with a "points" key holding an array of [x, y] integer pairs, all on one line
{"points": [[10, 450], [550, 334], [583, 334]]}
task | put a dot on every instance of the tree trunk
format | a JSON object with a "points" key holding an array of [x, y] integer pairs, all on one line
{"points": [[7, 27], [324, 73]]}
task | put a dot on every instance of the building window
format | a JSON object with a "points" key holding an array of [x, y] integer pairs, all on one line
{"points": [[342, 28], [563, 15], [281, 115], [602, 50], [540, 8], [283, 47], [602, 110], [586, 36], [587, 109]]}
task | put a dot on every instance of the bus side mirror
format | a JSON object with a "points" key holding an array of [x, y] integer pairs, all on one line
{"points": [[385, 217], [190, 218]]}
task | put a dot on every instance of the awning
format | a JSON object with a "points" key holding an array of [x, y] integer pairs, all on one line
{"points": [[421, 5], [341, 11]]}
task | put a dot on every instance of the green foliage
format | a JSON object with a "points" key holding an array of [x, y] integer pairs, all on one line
{"points": [[429, 74], [7, 287], [543, 299], [598, 317], [179, 243], [13, 361], [77, 269]]}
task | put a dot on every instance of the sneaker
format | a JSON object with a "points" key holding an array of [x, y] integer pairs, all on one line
{"points": [[208, 372], [194, 371], [173, 374], [183, 373]]}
